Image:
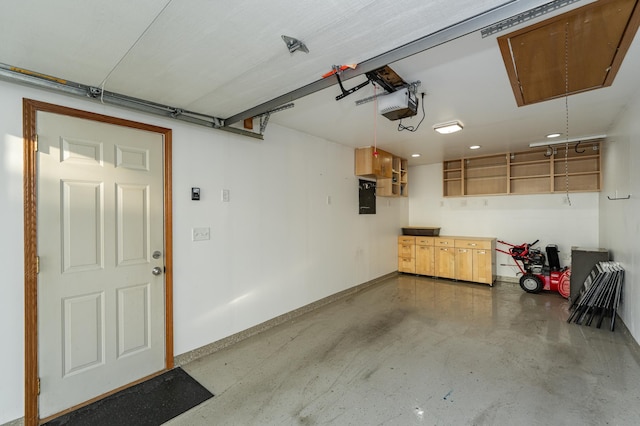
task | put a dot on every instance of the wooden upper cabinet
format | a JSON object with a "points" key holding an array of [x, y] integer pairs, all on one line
{"points": [[390, 171], [377, 164], [573, 167]]}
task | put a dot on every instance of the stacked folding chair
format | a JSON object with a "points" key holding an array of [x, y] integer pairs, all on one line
{"points": [[599, 296]]}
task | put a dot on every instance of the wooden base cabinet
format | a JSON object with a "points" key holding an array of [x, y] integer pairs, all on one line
{"points": [[460, 258]]}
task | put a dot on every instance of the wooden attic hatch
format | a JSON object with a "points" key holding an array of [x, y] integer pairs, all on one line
{"points": [[584, 48]]}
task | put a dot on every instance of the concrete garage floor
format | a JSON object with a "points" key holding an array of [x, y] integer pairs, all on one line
{"points": [[413, 350]]}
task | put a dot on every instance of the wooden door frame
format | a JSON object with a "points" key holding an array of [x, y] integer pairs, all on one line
{"points": [[30, 108]]}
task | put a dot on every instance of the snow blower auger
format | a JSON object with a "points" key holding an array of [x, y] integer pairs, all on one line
{"points": [[536, 275]]}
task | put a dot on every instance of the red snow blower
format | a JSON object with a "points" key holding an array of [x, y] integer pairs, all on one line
{"points": [[536, 275]]}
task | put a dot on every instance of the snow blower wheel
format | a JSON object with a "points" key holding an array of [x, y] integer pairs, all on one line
{"points": [[531, 283]]}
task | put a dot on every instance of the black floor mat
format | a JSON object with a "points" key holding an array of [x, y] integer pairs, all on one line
{"points": [[149, 403]]}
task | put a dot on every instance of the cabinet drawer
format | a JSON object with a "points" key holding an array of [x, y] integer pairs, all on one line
{"points": [[407, 264], [406, 250], [473, 244], [424, 241], [444, 242], [406, 240]]}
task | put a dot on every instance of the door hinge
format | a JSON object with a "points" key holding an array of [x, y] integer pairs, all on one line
{"points": [[37, 265], [38, 386], [35, 144]]}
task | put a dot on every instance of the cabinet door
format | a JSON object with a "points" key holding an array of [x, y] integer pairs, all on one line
{"points": [[482, 266], [385, 164], [445, 262], [464, 264], [425, 260], [369, 164]]}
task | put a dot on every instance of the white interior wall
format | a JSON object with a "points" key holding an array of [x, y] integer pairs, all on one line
{"points": [[11, 246], [512, 218], [619, 219], [290, 235]]}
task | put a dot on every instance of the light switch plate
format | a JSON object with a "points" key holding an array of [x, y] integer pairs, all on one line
{"points": [[195, 194], [200, 234]]}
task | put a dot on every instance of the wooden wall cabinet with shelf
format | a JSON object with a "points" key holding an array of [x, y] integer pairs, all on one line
{"points": [[373, 166], [537, 171], [452, 178], [485, 175], [579, 167], [530, 172], [390, 171]]}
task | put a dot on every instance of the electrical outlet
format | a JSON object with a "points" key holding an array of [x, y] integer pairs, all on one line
{"points": [[226, 196], [200, 234]]}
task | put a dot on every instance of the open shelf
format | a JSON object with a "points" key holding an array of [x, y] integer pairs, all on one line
{"points": [[537, 171], [397, 185]]}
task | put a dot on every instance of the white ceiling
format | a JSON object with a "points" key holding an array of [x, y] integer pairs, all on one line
{"points": [[223, 58]]}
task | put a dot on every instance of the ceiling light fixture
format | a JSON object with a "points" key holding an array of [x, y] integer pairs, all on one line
{"points": [[415, 155], [553, 135], [474, 147], [448, 127]]}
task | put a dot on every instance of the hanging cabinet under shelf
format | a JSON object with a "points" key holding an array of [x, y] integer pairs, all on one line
{"points": [[390, 171]]}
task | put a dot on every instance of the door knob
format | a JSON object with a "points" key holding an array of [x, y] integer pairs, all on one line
{"points": [[156, 271]]}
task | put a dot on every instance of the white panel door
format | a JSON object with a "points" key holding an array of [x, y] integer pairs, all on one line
{"points": [[100, 220]]}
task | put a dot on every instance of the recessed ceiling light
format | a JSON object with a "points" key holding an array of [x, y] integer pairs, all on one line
{"points": [[474, 147], [448, 127], [553, 135], [415, 155]]}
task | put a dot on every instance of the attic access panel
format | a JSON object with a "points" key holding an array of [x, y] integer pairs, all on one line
{"points": [[584, 47]]}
